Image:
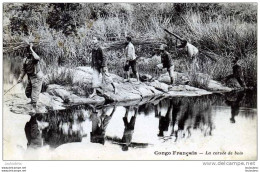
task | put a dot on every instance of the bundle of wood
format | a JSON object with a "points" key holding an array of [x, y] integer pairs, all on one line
{"points": [[143, 42], [16, 46]]}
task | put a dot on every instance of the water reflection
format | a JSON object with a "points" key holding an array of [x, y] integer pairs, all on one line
{"points": [[33, 132], [233, 99], [99, 125], [160, 121]]}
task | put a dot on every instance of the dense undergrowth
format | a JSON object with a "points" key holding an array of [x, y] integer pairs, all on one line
{"points": [[62, 33]]}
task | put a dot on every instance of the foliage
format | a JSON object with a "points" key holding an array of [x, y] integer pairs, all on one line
{"points": [[63, 32]]}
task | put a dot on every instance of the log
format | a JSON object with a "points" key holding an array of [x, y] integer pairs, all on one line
{"points": [[12, 47], [136, 42]]}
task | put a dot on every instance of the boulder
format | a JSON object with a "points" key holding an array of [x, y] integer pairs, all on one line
{"points": [[122, 92], [233, 83], [83, 74], [215, 86], [186, 91], [159, 86], [76, 100], [180, 78], [57, 90]]}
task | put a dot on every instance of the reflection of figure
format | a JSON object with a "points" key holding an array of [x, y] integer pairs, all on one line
{"points": [[99, 125], [65, 126], [194, 113], [203, 117], [233, 99], [164, 121], [129, 129], [33, 132], [175, 112]]}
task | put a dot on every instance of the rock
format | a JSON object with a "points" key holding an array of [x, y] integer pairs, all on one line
{"points": [[51, 102], [145, 78], [159, 86], [123, 92], [114, 89], [185, 91], [165, 78], [76, 100], [233, 83], [83, 74], [180, 78], [215, 86], [57, 90]]}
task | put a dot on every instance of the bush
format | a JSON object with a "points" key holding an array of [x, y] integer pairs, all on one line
{"points": [[226, 29]]}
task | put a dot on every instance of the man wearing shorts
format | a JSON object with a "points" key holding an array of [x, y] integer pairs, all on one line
{"points": [[130, 59], [167, 62]]}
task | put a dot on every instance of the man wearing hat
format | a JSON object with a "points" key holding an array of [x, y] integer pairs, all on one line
{"points": [[31, 67], [99, 65], [167, 62], [130, 59]]}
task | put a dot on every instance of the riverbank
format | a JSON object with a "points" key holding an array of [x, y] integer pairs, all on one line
{"points": [[115, 90]]}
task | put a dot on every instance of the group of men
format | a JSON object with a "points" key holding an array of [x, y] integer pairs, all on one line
{"points": [[31, 66], [99, 61]]}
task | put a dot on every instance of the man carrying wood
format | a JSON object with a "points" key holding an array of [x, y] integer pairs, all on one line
{"points": [[31, 67], [167, 62], [192, 53], [99, 65], [130, 59]]}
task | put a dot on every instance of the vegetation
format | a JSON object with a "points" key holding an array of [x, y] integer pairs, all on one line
{"points": [[62, 33]]}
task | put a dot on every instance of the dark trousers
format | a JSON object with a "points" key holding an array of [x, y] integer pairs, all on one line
{"points": [[239, 79], [33, 88]]}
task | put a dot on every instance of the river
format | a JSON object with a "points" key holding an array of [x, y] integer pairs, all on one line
{"points": [[217, 122]]}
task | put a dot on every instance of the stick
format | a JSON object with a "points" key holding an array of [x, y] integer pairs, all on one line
{"points": [[176, 36], [11, 88]]}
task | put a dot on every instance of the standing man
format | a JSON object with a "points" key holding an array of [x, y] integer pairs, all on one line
{"points": [[192, 53], [167, 62], [99, 65], [130, 59], [237, 74], [31, 67]]}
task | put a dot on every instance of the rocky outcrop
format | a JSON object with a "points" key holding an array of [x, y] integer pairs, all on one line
{"points": [[182, 79], [114, 89]]}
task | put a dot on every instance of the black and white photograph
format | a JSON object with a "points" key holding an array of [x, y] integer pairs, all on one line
{"points": [[129, 81]]}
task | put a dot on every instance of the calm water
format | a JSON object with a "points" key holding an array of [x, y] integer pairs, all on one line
{"points": [[159, 123]]}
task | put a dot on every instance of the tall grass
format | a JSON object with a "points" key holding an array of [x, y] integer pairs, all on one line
{"points": [[212, 27]]}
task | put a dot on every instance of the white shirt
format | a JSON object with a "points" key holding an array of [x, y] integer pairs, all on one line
{"points": [[130, 52], [191, 50]]}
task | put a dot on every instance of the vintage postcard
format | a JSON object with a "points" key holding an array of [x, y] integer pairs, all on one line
{"points": [[129, 81]]}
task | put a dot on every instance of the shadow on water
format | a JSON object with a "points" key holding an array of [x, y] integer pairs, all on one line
{"points": [[165, 120]]}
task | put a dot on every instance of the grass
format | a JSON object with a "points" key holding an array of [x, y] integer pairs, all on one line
{"points": [[228, 33]]}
